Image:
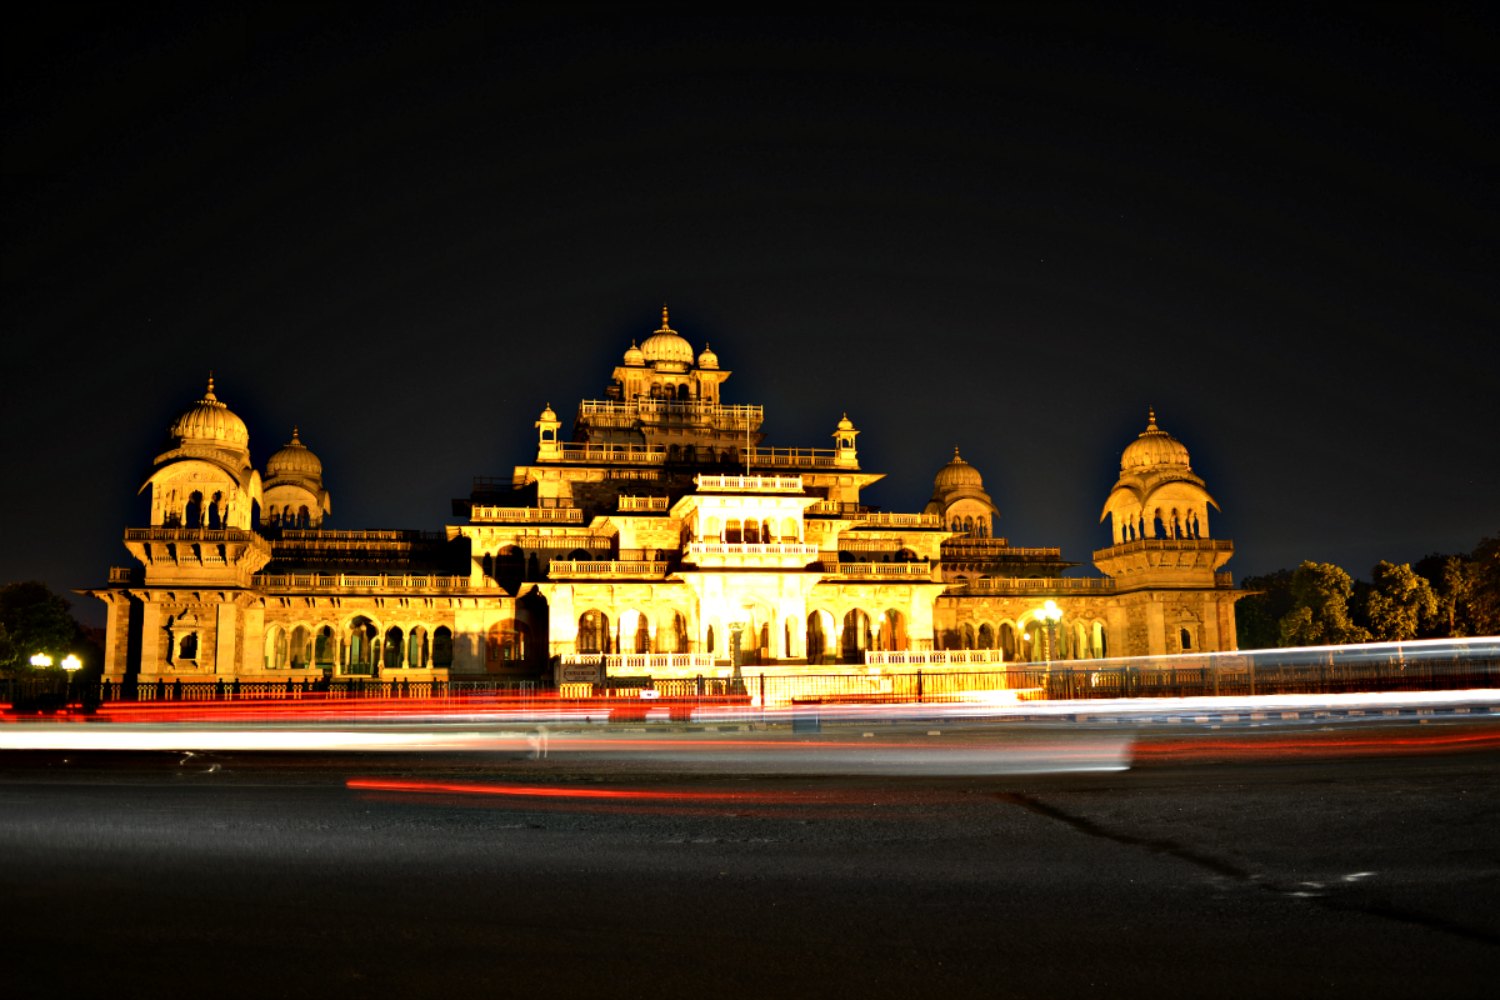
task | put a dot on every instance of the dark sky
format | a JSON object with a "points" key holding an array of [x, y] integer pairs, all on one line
{"points": [[1007, 232]]}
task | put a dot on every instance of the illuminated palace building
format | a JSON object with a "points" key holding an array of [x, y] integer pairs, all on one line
{"points": [[664, 538]]}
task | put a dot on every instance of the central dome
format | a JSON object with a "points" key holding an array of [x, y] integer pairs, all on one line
{"points": [[211, 422], [666, 345], [1154, 447]]}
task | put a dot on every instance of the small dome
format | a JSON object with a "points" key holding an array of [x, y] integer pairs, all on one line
{"points": [[708, 359], [845, 424], [666, 345], [635, 357], [957, 473], [1154, 447], [294, 460], [548, 415], [210, 421]]}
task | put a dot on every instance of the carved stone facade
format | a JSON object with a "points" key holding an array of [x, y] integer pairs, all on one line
{"points": [[665, 538]]}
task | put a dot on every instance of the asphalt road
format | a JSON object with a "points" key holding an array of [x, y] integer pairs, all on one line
{"points": [[1298, 864]]}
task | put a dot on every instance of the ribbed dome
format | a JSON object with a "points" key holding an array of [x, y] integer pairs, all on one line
{"points": [[548, 414], [708, 359], [210, 421], [666, 345], [294, 460], [957, 473], [845, 424], [635, 356], [1154, 447]]}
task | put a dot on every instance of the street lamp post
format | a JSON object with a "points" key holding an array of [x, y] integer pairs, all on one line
{"points": [[71, 663]]}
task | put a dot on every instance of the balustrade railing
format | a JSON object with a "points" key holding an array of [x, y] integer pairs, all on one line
{"points": [[1163, 544], [749, 484], [1039, 584], [546, 515], [918, 569], [609, 567], [641, 454], [355, 581], [903, 520], [629, 504], [695, 548], [176, 534]]}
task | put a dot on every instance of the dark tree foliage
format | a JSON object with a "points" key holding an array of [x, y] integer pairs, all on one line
{"points": [[1257, 618], [1320, 613], [1484, 597], [35, 620]]}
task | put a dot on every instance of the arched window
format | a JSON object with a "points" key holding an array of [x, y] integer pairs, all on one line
{"points": [[188, 648], [275, 648], [304, 518], [1186, 637], [671, 633], [986, 637], [857, 636], [1008, 640], [416, 648], [506, 644], [323, 647], [363, 640], [966, 635], [215, 509], [593, 632], [893, 631], [393, 647], [708, 639], [732, 533], [192, 515], [442, 647], [300, 648], [752, 531], [635, 632]]}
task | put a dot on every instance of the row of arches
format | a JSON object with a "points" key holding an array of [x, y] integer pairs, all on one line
{"points": [[752, 531], [977, 526], [821, 637], [360, 649], [1027, 641], [1170, 523], [289, 517]]}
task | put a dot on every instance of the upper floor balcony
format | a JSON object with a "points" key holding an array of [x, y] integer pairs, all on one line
{"points": [[889, 519], [372, 582], [879, 570]]}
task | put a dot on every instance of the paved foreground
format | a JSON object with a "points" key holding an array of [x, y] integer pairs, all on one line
{"points": [[1320, 863]]}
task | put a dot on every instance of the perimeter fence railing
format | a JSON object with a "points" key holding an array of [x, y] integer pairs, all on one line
{"points": [[1422, 665]]}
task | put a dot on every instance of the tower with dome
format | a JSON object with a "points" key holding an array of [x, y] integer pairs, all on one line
{"points": [[662, 537]]}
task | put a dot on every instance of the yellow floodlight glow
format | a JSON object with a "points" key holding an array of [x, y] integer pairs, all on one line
{"points": [[71, 663], [41, 660]]}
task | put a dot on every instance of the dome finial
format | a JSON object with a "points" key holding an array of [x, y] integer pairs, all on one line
{"points": [[1150, 418], [664, 325], [295, 438], [210, 393]]}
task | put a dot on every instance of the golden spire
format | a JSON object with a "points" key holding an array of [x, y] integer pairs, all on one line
{"points": [[664, 327]]}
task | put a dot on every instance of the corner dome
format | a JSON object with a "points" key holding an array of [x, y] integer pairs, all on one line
{"points": [[666, 345], [957, 473], [634, 356], [211, 422], [708, 359], [294, 460], [548, 414], [1153, 447]]}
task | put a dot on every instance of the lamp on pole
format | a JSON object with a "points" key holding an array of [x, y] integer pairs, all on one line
{"points": [[1050, 615], [71, 663]]}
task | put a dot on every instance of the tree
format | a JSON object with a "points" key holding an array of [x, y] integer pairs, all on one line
{"points": [[1484, 598], [34, 620], [1400, 604], [1320, 608], [1257, 617]]}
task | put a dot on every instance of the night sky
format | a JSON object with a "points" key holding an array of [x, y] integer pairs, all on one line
{"points": [[1007, 232]]}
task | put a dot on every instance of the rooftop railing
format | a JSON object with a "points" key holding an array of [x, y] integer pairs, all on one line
{"points": [[892, 519], [880, 569], [750, 484], [1039, 584], [359, 581]]}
